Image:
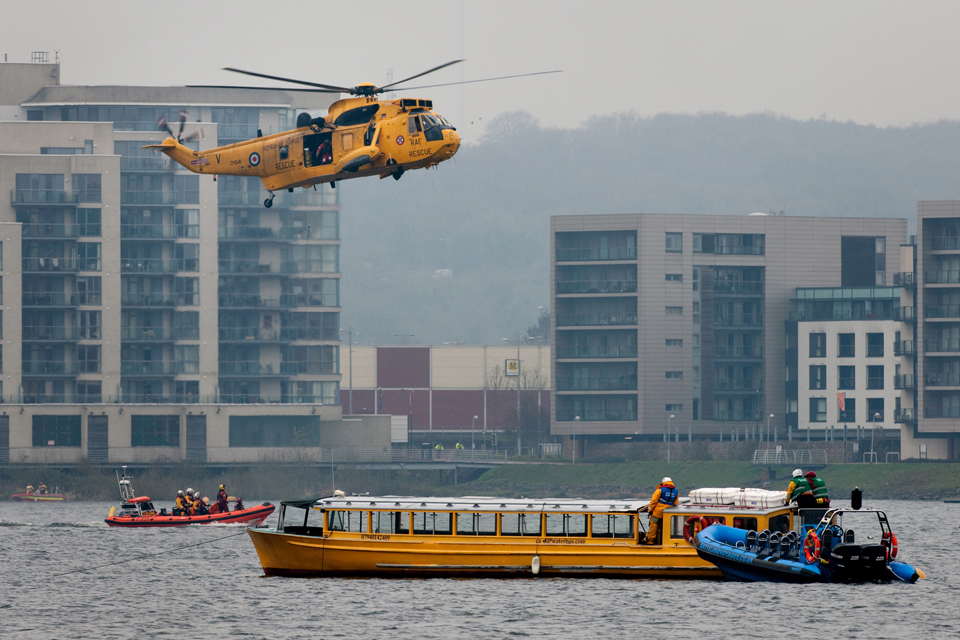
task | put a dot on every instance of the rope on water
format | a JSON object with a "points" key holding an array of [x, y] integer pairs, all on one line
{"points": [[150, 555]]}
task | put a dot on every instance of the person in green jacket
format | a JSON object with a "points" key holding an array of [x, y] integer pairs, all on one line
{"points": [[820, 493], [800, 491]]}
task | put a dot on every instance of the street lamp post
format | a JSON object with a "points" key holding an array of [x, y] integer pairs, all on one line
{"points": [[519, 340], [473, 429], [876, 419], [576, 420], [350, 334], [669, 431], [768, 427]]}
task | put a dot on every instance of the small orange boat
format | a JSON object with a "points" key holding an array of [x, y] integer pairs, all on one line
{"points": [[140, 512]]}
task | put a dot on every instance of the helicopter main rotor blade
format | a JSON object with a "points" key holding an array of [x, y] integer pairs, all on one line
{"points": [[448, 84], [393, 84], [282, 79], [223, 86]]}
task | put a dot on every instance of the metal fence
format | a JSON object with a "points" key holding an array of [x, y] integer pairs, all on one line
{"points": [[789, 456]]}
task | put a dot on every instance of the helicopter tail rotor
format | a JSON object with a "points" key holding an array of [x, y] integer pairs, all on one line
{"points": [[163, 125]]}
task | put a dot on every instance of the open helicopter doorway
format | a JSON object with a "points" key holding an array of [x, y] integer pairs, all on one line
{"points": [[317, 149]]}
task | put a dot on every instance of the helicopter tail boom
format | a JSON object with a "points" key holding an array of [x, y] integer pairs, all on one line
{"points": [[180, 154]]}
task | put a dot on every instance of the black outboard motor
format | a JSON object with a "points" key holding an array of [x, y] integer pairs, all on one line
{"points": [[858, 563]]}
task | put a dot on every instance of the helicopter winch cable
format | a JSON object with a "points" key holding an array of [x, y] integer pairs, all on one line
{"points": [[149, 555]]}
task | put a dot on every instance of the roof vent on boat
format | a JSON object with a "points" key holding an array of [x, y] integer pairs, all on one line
{"points": [[450, 504], [503, 504], [476, 505], [396, 504], [423, 504]]}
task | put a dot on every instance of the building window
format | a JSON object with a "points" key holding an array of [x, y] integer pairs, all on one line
{"points": [[34, 114], [187, 391], [845, 345], [88, 325], [846, 378], [88, 256], [187, 291], [674, 311], [187, 189], [880, 252], [87, 290], [818, 376], [849, 414], [673, 408], [187, 256], [274, 431], [674, 375], [187, 222], [673, 277], [87, 187], [88, 358], [874, 407], [875, 377], [818, 409], [674, 242], [874, 345], [186, 325], [56, 431], [155, 431], [88, 222], [674, 342], [89, 391], [818, 345], [187, 358]]}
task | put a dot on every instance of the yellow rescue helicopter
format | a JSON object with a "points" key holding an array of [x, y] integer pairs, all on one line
{"points": [[360, 136]]}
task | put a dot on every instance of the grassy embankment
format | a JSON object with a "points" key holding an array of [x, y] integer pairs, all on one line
{"points": [[633, 479]]}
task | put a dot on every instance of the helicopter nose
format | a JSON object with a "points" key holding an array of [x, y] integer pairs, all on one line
{"points": [[454, 137]]}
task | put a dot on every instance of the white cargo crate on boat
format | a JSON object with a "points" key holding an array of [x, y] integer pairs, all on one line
{"points": [[761, 498]]}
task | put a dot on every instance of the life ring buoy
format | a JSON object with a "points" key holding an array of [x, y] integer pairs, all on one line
{"points": [[811, 547], [690, 524], [890, 542]]}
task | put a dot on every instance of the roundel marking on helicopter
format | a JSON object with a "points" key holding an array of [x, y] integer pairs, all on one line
{"points": [[400, 140], [254, 159]]}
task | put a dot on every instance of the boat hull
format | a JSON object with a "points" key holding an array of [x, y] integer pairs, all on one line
{"points": [[252, 516], [32, 497], [403, 556]]}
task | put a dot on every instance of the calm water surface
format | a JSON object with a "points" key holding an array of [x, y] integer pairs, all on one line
{"points": [[217, 590]]}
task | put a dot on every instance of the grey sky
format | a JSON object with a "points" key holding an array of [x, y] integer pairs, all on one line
{"points": [[884, 63]]}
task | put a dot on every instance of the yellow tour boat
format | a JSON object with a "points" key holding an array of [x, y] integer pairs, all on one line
{"points": [[394, 536]]}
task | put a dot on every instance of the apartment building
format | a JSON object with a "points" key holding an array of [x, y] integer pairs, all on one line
{"points": [[140, 284], [677, 320]]}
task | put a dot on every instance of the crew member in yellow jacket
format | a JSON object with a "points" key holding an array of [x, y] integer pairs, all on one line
{"points": [[665, 496]]}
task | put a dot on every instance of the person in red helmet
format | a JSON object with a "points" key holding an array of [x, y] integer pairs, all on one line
{"points": [[820, 493]]}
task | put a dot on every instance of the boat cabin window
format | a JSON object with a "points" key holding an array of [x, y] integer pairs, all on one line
{"points": [[476, 524], [780, 523], [676, 527], [568, 525], [314, 522], [414, 125], [612, 525], [750, 524], [520, 524], [351, 521], [293, 519], [431, 523], [388, 522]]}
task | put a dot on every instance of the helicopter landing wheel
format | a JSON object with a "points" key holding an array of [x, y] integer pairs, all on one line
{"points": [[268, 202], [398, 173], [391, 162]]}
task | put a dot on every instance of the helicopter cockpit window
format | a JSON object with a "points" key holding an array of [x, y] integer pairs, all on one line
{"points": [[432, 128], [414, 125]]}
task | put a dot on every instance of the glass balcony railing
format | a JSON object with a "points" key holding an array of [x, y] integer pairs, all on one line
{"points": [[48, 368], [317, 335], [241, 300], [941, 412], [43, 196], [597, 351], [246, 266], [596, 319], [904, 348], [239, 199], [940, 380], [734, 353], [905, 416], [905, 314], [236, 132], [147, 299], [49, 264], [309, 266], [246, 232], [942, 277], [55, 231], [306, 300], [942, 345], [44, 333], [147, 164], [736, 416], [750, 385], [623, 383], [147, 231], [245, 368], [248, 333], [597, 286], [945, 243], [145, 334], [598, 415], [152, 197], [943, 311], [738, 288], [145, 368], [745, 320], [587, 255], [308, 368], [904, 280], [146, 265]]}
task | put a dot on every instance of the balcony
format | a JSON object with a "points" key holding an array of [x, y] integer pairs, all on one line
{"points": [[598, 415], [738, 353], [942, 345], [145, 368], [745, 320], [609, 351], [905, 280], [934, 413], [153, 197], [63, 231], [596, 319], [942, 277], [147, 300], [306, 300], [247, 301], [246, 267], [623, 383], [315, 335], [20, 197], [44, 333], [905, 314], [147, 231], [31, 299], [240, 334], [308, 368], [904, 348], [945, 243], [942, 311], [48, 368], [146, 334], [736, 416], [49, 265], [589, 255], [597, 286], [941, 380], [905, 416], [146, 164], [738, 385], [146, 265], [905, 381], [239, 199], [236, 132], [309, 266], [246, 232], [244, 368], [721, 287]]}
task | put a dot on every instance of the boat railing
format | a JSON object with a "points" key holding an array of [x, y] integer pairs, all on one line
{"points": [[789, 456]]}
